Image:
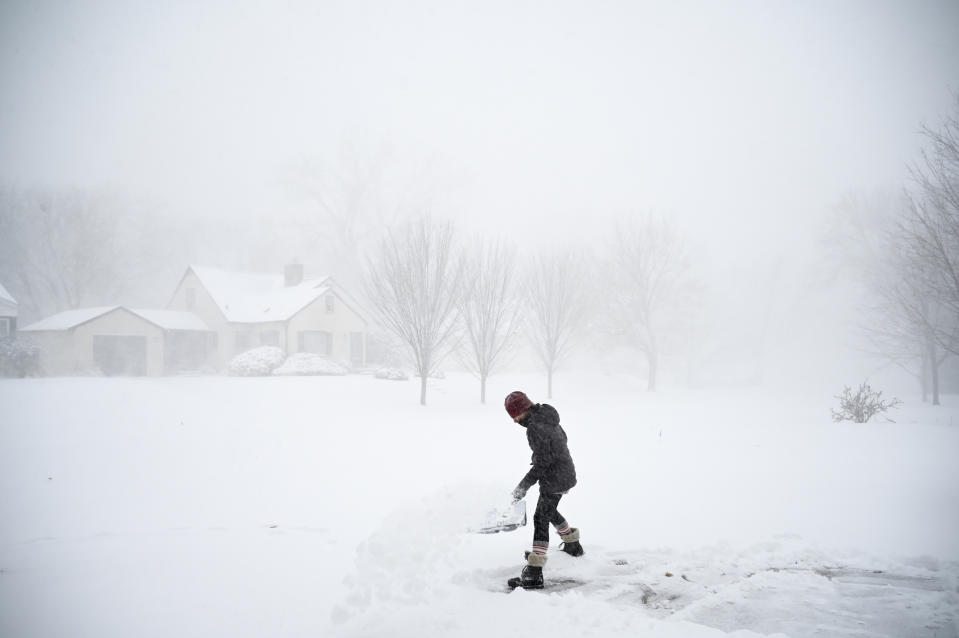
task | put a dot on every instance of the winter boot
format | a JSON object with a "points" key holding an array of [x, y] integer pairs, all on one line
{"points": [[571, 544], [532, 576]]}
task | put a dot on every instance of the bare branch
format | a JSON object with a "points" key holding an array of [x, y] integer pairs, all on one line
{"points": [[555, 293], [489, 307]]}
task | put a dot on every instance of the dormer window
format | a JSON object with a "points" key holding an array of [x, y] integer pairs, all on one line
{"points": [[329, 303]]}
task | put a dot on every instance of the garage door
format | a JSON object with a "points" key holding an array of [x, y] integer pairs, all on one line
{"points": [[120, 355]]}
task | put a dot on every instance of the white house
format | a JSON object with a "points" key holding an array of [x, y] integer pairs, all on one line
{"points": [[8, 314], [247, 310]]}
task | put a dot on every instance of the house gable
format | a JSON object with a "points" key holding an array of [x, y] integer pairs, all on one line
{"points": [[191, 295], [8, 305]]}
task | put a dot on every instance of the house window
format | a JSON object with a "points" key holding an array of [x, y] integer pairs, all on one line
{"points": [[190, 298], [269, 338], [317, 342], [244, 339], [329, 303], [4, 327]]}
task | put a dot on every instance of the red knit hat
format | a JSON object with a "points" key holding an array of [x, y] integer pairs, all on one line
{"points": [[517, 403]]}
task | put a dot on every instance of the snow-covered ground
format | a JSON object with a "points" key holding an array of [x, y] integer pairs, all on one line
{"points": [[336, 506]]}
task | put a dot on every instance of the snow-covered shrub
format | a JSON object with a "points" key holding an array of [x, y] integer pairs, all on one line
{"points": [[19, 359], [391, 374], [309, 364], [861, 406], [258, 362]]}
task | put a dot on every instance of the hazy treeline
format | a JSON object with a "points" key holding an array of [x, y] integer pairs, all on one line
{"points": [[644, 297], [69, 248], [437, 294]]}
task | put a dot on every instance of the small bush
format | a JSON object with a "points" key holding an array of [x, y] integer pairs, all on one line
{"points": [[861, 406], [391, 374], [258, 362], [19, 359]]}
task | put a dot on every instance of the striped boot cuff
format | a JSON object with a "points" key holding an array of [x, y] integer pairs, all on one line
{"points": [[571, 537]]}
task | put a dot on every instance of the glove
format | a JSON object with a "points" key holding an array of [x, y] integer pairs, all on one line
{"points": [[518, 493]]}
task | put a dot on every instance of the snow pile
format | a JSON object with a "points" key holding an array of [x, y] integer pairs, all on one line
{"points": [[422, 574], [307, 364], [405, 560], [391, 374], [258, 362]]}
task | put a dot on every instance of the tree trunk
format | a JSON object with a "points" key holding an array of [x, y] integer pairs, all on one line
{"points": [[933, 368], [653, 361], [549, 383], [924, 378], [423, 377], [483, 388]]}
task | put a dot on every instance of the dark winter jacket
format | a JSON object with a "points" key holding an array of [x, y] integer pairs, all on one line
{"points": [[552, 465]]}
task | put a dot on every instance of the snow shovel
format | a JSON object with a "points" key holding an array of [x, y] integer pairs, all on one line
{"points": [[504, 519]]}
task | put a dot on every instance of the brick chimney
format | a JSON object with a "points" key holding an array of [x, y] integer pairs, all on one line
{"points": [[293, 274]]}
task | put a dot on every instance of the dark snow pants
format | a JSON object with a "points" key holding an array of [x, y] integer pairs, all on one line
{"points": [[545, 514]]}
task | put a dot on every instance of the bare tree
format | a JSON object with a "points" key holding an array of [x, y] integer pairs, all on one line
{"points": [[65, 248], [873, 238], [413, 286], [489, 307], [650, 287], [908, 318], [932, 224], [916, 281], [555, 298]]}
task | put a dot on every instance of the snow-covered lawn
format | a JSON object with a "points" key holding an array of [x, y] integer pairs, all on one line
{"points": [[336, 506]]}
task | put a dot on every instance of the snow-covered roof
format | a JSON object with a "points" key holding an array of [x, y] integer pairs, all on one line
{"points": [[8, 305], [68, 319], [6, 296], [257, 297], [172, 319]]}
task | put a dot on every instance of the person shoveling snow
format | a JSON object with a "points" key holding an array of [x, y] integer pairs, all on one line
{"points": [[553, 469]]}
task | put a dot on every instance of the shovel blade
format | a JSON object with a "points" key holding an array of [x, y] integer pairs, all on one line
{"points": [[504, 519]]}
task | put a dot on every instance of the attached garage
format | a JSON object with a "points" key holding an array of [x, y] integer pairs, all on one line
{"points": [[117, 341], [120, 355]]}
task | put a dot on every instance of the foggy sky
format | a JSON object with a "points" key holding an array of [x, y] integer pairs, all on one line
{"points": [[537, 116]]}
